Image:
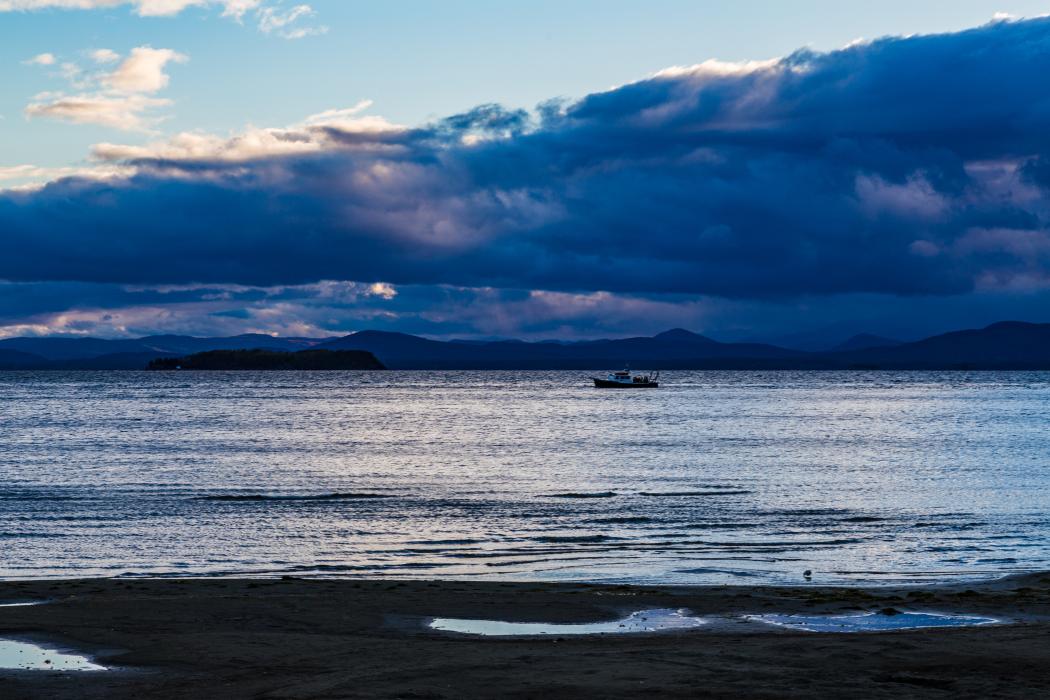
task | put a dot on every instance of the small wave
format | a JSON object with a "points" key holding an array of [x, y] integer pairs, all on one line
{"points": [[319, 497], [864, 519], [625, 520], [787, 544], [26, 535], [36, 497], [575, 494], [740, 492], [720, 526], [554, 539], [802, 512], [732, 572]]}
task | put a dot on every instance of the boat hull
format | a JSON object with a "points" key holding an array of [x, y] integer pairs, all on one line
{"points": [[606, 384]]}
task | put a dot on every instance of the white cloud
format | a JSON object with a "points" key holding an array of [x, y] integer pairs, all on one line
{"points": [[104, 56], [713, 68], [347, 117], [125, 112], [144, 8], [31, 177], [238, 8], [43, 59], [311, 135], [252, 143], [280, 21], [116, 99], [143, 70], [285, 23], [21, 172]]}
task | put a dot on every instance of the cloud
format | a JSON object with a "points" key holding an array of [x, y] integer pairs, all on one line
{"points": [[287, 22], [901, 168], [315, 134], [143, 70], [117, 99], [104, 56], [28, 177], [43, 59], [277, 19], [127, 112], [145, 8]]}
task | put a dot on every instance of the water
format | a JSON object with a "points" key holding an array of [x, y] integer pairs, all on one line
{"points": [[871, 622], [744, 477], [659, 620], [24, 656]]}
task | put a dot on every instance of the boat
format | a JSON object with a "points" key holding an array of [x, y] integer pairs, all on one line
{"points": [[627, 380]]}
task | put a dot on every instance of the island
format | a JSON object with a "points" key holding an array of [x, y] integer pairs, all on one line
{"points": [[262, 360]]}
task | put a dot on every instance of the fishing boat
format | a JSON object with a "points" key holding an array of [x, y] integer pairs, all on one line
{"points": [[627, 380]]}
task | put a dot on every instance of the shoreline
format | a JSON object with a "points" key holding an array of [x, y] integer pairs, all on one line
{"points": [[300, 638]]}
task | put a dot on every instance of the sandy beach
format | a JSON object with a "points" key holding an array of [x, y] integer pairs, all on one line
{"points": [[296, 638]]}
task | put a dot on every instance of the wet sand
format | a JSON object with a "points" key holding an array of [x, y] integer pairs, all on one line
{"points": [[295, 638]]}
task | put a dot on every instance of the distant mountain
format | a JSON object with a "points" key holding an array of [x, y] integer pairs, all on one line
{"points": [[13, 359], [64, 348], [68, 348], [1008, 345], [677, 349], [262, 360], [865, 341]]}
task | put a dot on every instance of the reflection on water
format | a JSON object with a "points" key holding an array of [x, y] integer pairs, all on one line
{"points": [[871, 622], [716, 477], [659, 620], [26, 656]]}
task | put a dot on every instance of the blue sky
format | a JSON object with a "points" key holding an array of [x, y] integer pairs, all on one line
{"points": [[524, 245]]}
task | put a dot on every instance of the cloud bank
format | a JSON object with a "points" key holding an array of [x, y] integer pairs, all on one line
{"points": [[904, 167]]}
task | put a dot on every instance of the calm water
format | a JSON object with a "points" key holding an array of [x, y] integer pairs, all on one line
{"points": [[717, 477]]}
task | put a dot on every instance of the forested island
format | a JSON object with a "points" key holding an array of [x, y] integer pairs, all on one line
{"points": [[260, 359]]}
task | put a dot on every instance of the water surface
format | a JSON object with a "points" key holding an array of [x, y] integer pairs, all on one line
{"points": [[24, 656], [872, 622], [658, 620], [716, 477]]}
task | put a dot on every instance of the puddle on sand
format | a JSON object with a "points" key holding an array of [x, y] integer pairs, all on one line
{"points": [[660, 620], [871, 622], [25, 656]]}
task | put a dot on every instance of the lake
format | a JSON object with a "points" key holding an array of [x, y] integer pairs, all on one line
{"points": [[716, 477]]}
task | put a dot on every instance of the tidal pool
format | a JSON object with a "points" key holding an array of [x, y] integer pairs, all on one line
{"points": [[660, 620], [26, 656], [871, 622]]}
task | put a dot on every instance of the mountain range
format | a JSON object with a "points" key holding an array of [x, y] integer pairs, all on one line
{"points": [[1006, 345]]}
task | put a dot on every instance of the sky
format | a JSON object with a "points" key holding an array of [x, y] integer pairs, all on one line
{"points": [[795, 172]]}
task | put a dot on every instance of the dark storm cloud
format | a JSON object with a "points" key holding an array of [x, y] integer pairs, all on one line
{"points": [[906, 166]]}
